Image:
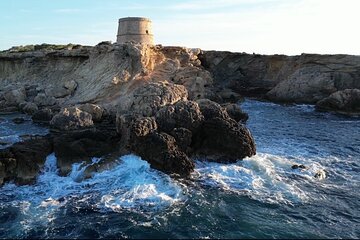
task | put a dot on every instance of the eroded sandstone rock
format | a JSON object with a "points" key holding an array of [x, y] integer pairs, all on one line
{"points": [[71, 118], [97, 112], [148, 98]]}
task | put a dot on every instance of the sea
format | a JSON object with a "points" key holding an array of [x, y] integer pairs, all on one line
{"points": [[257, 197]]}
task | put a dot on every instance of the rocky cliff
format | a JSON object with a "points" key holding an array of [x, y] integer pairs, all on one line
{"points": [[114, 99], [307, 78], [166, 104]]}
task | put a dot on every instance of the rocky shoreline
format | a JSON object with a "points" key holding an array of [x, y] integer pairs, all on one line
{"points": [[168, 105]]}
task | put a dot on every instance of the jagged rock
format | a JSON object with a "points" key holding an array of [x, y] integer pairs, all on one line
{"points": [[346, 101], [22, 161], [15, 97], [211, 109], [183, 138], [43, 115], [143, 126], [97, 112], [71, 118], [221, 138], [44, 100], [236, 113], [298, 166], [161, 151], [82, 145], [183, 114], [321, 174], [29, 108], [141, 136]]}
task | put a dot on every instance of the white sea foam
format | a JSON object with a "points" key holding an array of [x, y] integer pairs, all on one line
{"points": [[264, 177], [131, 184]]}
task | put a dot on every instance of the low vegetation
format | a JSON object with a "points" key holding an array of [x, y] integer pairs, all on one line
{"points": [[43, 47]]}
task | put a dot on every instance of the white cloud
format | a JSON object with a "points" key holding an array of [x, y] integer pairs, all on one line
{"points": [[320, 26]]}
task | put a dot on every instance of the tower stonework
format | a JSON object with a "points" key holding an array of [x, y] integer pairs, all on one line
{"points": [[136, 29]]}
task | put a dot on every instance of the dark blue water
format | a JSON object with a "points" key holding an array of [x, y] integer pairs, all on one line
{"points": [[11, 132], [259, 197]]}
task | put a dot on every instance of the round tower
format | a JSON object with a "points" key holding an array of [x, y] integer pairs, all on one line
{"points": [[136, 29]]}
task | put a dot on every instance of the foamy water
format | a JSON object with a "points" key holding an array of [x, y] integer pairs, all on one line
{"points": [[261, 196]]}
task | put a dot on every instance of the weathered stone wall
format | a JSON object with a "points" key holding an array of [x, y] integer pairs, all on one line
{"points": [[135, 29]]}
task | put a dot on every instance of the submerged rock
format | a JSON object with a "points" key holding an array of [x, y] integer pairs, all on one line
{"points": [[321, 174], [298, 166]]}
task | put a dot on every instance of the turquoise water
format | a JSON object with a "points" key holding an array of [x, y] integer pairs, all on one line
{"points": [[259, 197]]}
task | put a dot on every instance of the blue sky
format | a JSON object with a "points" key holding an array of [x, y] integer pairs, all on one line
{"points": [[260, 26]]}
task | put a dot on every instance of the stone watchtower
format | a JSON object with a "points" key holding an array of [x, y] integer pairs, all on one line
{"points": [[136, 29]]}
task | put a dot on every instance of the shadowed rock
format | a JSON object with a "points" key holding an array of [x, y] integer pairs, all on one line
{"points": [[346, 101], [22, 161], [82, 145], [183, 114]]}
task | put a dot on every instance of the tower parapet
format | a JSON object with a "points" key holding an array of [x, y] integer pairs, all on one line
{"points": [[136, 29]]}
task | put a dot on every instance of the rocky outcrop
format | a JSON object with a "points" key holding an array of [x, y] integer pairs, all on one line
{"points": [[83, 145], [15, 97], [155, 93], [307, 78], [183, 114], [346, 101], [184, 130], [148, 98], [158, 148], [43, 115], [97, 112], [23, 161], [235, 112], [71, 118], [221, 137]]}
